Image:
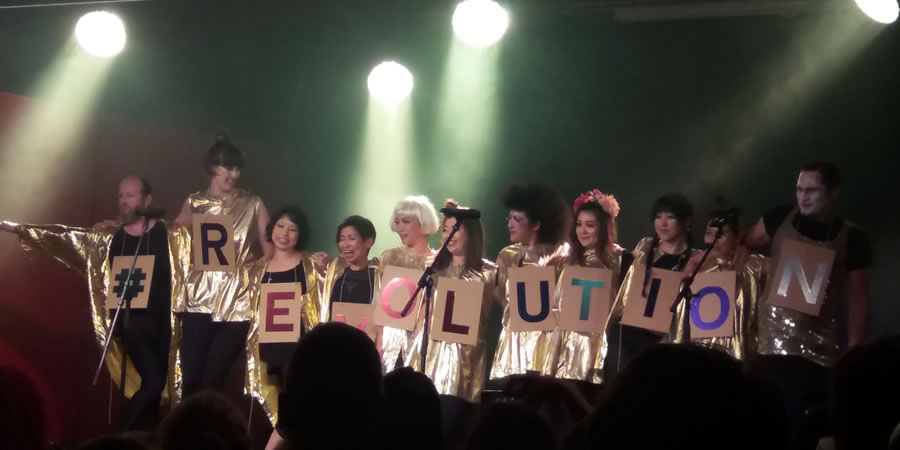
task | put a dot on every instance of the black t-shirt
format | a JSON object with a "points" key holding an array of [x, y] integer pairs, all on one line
{"points": [[859, 250], [276, 354], [155, 242], [353, 286]]}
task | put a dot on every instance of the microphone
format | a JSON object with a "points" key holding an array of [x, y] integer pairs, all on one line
{"points": [[461, 214], [149, 213]]}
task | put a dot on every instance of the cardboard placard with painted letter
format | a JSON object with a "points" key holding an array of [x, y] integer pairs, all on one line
{"points": [[585, 298], [213, 238], [397, 285], [457, 311], [801, 277], [531, 292], [139, 284], [359, 315], [713, 306], [280, 308], [653, 311]]}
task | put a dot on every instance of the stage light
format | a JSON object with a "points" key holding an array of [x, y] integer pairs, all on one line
{"points": [[100, 33], [390, 83], [480, 23], [884, 11]]}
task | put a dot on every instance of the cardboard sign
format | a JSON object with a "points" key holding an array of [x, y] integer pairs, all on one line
{"points": [[585, 298], [213, 238], [651, 312], [457, 311], [713, 305], [531, 291], [280, 307], [138, 286], [359, 315], [801, 277], [398, 284]]}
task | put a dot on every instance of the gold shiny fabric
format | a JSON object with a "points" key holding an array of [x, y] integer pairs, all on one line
{"points": [[576, 355], [784, 331], [258, 383], [86, 251], [396, 342], [458, 369], [334, 271], [749, 280], [216, 292], [521, 351]]}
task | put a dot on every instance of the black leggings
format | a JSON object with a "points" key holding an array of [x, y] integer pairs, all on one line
{"points": [[208, 350], [147, 340]]}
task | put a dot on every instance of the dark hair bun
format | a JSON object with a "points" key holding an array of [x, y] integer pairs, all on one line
{"points": [[221, 136], [450, 203]]}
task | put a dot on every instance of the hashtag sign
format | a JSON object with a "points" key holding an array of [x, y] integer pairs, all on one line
{"points": [[135, 285]]}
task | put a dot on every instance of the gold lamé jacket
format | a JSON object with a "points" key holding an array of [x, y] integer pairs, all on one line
{"points": [[86, 251], [396, 342], [519, 352], [749, 281], [217, 292], [458, 369], [258, 382]]}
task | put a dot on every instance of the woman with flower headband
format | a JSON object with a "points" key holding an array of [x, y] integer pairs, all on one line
{"points": [[458, 369], [537, 223], [670, 249], [413, 219], [578, 355]]}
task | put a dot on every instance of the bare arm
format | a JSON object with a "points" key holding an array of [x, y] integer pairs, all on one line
{"points": [[757, 236], [859, 306], [184, 216], [268, 247]]}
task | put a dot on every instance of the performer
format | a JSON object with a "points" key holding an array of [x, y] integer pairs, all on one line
{"points": [[669, 249], [537, 223], [148, 338], [797, 349], [288, 230], [458, 369], [577, 355], [351, 277], [413, 219], [215, 306], [749, 278]]}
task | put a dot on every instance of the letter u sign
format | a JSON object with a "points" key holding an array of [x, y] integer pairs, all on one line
{"points": [[531, 298]]}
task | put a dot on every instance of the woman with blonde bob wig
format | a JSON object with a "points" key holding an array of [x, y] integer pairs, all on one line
{"points": [[413, 219]]}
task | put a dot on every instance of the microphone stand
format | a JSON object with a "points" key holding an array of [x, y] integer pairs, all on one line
{"points": [[426, 281], [686, 294], [126, 302]]}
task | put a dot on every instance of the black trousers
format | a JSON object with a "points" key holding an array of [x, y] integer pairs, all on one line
{"points": [[147, 339], [804, 387], [208, 350]]}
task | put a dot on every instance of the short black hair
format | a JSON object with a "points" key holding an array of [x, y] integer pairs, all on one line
{"points": [[544, 205], [730, 217], [831, 175], [674, 203], [362, 225], [223, 153], [296, 215]]}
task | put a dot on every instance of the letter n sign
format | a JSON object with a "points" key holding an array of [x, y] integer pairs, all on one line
{"points": [[801, 277], [532, 292], [213, 238]]}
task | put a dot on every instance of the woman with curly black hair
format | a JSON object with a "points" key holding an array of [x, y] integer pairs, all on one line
{"points": [[669, 249], [538, 221]]}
